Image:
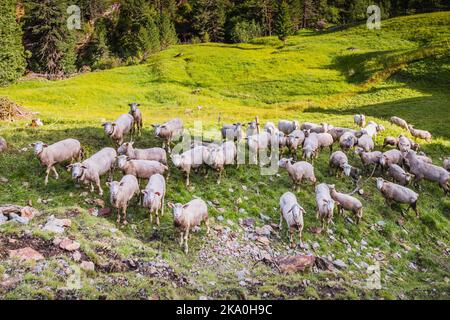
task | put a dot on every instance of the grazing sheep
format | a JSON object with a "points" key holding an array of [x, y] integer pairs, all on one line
{"points": [[372, 129], [155, 154], [446, 163], [298, 171], [3, 144], [141, 169], [394, 192], [257, 145], [232, 132], [400, 123], [421, 134], [337, 132], [271, 128], [252, 128], [347, 202], [121, 193], [399, 175], [292, 213], [191, 159], [90, 170], [287, 126], [118, 129], [316, 128], [338, 160], [168, 131], [390, 141], [393, 156], [360, 120], [154, 194], [403, 144], [347, 141], [294, 140], [137, 116], [51, 155], [369, 158], [188, 216], [221, 156], [325, 140], [366, 143], [325, 204], [424, 158], [422, 170], [310, 147]]}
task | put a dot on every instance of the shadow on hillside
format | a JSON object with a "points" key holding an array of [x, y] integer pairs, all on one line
{"points": [[233, 46]]}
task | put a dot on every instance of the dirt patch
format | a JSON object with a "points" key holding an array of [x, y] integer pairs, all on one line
{"points": [[46, 248], [114, 263]]}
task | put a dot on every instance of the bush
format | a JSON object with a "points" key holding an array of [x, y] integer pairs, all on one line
{"points": [[244, 31]]}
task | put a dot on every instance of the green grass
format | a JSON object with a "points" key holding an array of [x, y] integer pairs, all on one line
{"points": [[402, 69]]}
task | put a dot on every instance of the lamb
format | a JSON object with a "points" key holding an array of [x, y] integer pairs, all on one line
{"points": [[270, 128], [338, 160], [294, 140], [141, 169], [118, 129], [155, 154], [422, 170], [257, 145], [90, 170], [50, 155], [347, 141], [287, 126], [399, 175], [191, 159], [3, 145], [168, 131], [154, 194], [360, 120], [347, 202], [446, 163], [220, 157], [403, 144], [325, 204], [310, 146], [137, 116], [121, 194], [252, 128], [298, 171], [389, 157], [421, 134], [337, 132], [317, 128], [232, 132], [400, 123], [325, 140], [188, 216], [292, 213], [366, 143], [394, 192], [390, 141], [369, 158]]}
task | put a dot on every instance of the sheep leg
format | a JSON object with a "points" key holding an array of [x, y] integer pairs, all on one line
{"points": [[186, 238], [151, 216], [91, 187], [220, 177], [162, 205], [55, 173], [100, 190], [47, 172], [280, 225], [300, 229], [207, 226], [187, 179], [157, 217], [181, 235], [118, 216], [125, 216], [291, 238]]}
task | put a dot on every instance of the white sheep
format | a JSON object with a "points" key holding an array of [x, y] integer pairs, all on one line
{"points": [[271, 128], [118, 129], [292, 213], [155, 154], [298, 171], [399, 122], [399, 175], [347, 141], [337, 132], [421, 134], [325, 204], [121, 194], [232, 132], [3, 144], [252, 128], [360, 120], [141, 169], [188, 216], [338, 161], [316, 128], [446, 163], [310, 146], [372, 129], [287, 126], [325, 140], [294, 140], [169, 131], [347, 202], [153, 196], [393, 156], [50, 155], [137, 116], [191, 159], [394, 192], [369, 158], [222, 156], [257, 145], [366, 143]]}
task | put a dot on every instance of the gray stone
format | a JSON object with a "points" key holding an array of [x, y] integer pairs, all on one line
{"points": [[340, 264], [220, 218]]}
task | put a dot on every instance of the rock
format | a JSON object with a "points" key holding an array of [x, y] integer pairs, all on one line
{"points": [[57, 225], [264, 217], [19, 219], [69, 245], [412, 266], [244, 188], [316, 246], [220, 218], [231, 223], [292, 264], [364, 265], [381, 223], [26, 254], [4, 180], [221, 210], [242, 283], [324, 264], [241, 274], [248, 222], [3, 219], [87, 266], [241, 210], [231, 190], [364, 243], [263, 240], [76, 256], [340, 264], [29, 212], [264, 230], [103, 212], [99, 203]]}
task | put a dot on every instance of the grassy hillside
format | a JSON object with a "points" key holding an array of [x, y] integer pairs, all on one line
{"points": [[402, 69]]}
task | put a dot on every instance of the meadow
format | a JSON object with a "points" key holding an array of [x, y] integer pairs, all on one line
{"points": [[402, 69]]}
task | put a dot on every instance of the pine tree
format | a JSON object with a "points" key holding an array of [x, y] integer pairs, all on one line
{"points": [[12, 59], [46, 36], [283, 25], [168, 35]]}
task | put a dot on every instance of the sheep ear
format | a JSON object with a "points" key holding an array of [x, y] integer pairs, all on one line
{"points": [[121, 184], [114, 124], [108, 184], [138, 104], [45, 145], [144, 191], [153, 125], [83, 167], [70, 166], [170, 205], [103, 124]]}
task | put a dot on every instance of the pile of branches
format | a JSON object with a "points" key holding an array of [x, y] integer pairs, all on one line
{"points": [[10, 110]]}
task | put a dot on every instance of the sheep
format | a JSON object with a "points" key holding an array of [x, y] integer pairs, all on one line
{"points": [[360, 120], [403, 143], [294, 140], [188, 216], [221, 156], [281, 139], [390, 141], [337, 161], [347, 202], [372, 129], [50, 155], [191, 159], [90, 170], [337, 132], [141, 169], [394, 192], [155, 154], [421, 134], [393, 156], [366, 143], [168, 131], [232, 132], [369, 158], [399, 175], [287, 126], [325, 204], [446, 163], [3, 144], [399, 122], [422, 170], [153, 196], [257, 145], [137, 116], [310, 147], [325, 140], [292, 213], [347, 141], [424, 158], [252, 128], [271, 128], [121, 193], [118, 129], [298, 171], [317, 128]]}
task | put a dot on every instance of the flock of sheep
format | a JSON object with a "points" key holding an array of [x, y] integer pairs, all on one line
{"points": [[400, 164]]}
